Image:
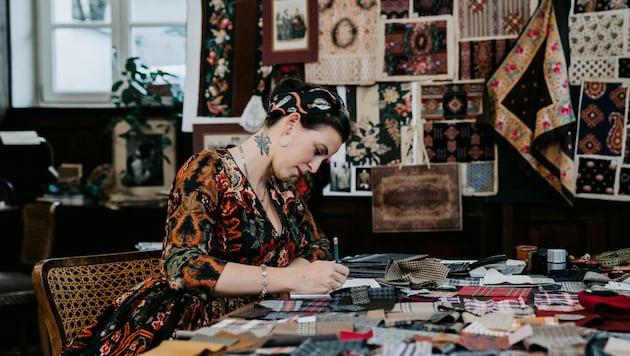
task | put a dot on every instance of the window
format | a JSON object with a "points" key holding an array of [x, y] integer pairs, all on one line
{"points": [[83, 44]]}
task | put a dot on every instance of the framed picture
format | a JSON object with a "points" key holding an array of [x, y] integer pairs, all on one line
{"points": [[211, 136], [416, 198], [340, 176], [290, 31], [363, 178], [142, 165]]}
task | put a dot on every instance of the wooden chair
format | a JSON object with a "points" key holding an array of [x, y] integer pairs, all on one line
{"points": [[73, 291], [16, 288]]}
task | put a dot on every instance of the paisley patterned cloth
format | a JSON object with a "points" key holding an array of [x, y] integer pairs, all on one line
{"points": [[213, 218], [529, 94], [602, 130]]}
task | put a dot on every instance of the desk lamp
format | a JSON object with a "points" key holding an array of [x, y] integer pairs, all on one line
{"points": [[29, 138]]}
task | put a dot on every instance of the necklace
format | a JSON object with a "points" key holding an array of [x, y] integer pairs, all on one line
{"points": [[240, 149]]}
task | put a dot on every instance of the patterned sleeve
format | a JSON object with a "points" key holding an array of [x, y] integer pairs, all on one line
{"points": [[188, 259], [313, 244]]}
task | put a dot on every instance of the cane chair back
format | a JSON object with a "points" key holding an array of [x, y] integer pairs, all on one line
{"points": [[73, 291], [38, 224]]}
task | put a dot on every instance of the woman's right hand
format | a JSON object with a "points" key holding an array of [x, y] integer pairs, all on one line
{"points": [[318, 277]]}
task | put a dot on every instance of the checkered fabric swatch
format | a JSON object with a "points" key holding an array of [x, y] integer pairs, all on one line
{"points": [[299, 306], [481, 307], [416, 272], [331, 347], [495, 292], [557, 301]]}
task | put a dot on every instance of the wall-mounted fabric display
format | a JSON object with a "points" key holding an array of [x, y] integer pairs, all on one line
{"points": [[451, 100], [376, 139], [415, 49], [529, 93], [478, 58], [416, 198], [449, 114], [347, 44], [219, 83], [602, 169], [492, 18], [599, 34], [395, 9], [599, 43]]}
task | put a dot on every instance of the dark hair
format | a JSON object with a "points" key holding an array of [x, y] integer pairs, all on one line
{"points": [[338, 119]]}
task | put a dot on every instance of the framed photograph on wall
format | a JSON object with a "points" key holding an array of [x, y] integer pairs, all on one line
{"points": [[211, 136], [290, 31], [143, 165]]}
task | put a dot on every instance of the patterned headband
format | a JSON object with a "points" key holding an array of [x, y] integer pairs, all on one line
{"points": [[314, 101]]}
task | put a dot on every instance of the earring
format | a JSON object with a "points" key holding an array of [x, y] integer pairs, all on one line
{"points": [[285, 140]]}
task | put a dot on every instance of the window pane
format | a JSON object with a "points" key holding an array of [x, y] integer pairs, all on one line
{"points": [[161, 47], [82, 60], [158, 10], [78, 11]]}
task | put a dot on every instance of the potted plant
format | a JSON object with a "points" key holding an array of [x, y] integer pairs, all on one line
{"points": [[150, 102]]}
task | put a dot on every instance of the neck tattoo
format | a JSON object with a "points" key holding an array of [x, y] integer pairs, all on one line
{"points": [[240, 150]]}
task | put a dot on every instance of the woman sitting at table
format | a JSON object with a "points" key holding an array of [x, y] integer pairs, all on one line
{"points": [[236, 230]]}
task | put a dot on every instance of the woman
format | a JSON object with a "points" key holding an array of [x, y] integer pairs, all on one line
{"points": [[236, 229]]}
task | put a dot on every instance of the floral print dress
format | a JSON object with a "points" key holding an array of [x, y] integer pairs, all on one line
{"points": [[213, 217]]}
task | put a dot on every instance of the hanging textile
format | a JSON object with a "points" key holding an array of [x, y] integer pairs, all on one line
{"points": [[530, 102]]}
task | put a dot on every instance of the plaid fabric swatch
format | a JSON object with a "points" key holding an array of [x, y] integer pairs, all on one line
{"points": [[449, 300], [462, 282], [485, 291], [481, 307], [299, 305], [405, 349], [329, 347], [377, 298], [415, 272], [572, 286], [555, 298], [278, 350], [557, 301]]}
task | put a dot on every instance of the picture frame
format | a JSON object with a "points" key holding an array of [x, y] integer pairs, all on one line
{"points": [[416, 198], [211, 136], [290, 31], [142, 166]]}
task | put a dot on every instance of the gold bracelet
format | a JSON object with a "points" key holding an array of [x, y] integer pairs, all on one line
{"points": [[263, 271]]}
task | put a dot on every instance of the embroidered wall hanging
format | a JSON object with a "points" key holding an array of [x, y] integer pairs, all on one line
{"points": [[347, 38], [423, 8], [445, 101], [363, 147], [468, 143], [416, 49], [478, 58], [598, 34], [395, 112], [492, 18], [592, 67], [449, 114], [416, 198], [583, 6], [602, 161], [395, 9], [529, 93], [219, 84]]}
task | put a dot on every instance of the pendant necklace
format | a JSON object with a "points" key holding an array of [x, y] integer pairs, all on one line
{"points": [[240, 149]]}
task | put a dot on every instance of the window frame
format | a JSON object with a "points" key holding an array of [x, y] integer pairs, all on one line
{"points": [[121, 26]]}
